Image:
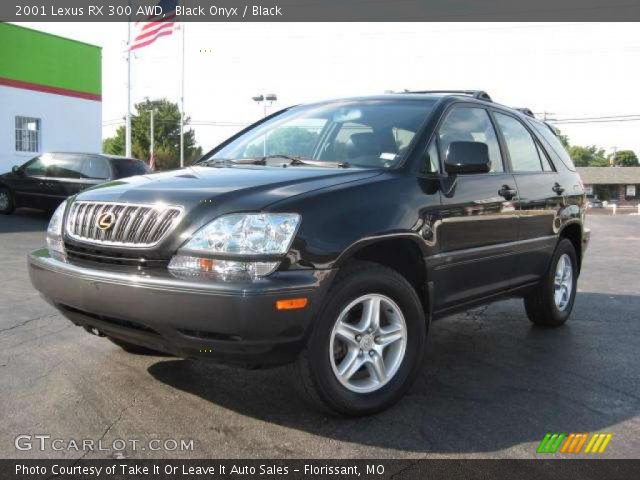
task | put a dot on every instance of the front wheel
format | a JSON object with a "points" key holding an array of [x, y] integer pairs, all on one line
{"points": [[551, 303], [366, 347], [6, 201]]}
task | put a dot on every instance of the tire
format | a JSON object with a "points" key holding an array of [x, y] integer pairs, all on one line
{"points": [[135, 349], [541, 304], [355, 289], [7, 206]]}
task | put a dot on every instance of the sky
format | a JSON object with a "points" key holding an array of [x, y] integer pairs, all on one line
{"points": [[569, 70]]}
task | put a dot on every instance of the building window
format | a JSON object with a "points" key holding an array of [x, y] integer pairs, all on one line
{"points": [[27, 134]]}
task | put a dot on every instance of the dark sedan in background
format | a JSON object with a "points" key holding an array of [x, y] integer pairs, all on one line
{"points": [[46, 180]]}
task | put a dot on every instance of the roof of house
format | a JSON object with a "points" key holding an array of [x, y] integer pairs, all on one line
{"points": [[609, 175]]}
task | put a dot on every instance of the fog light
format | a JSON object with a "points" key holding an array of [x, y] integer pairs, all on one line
{"points": [[55, 246], [226, 269]]}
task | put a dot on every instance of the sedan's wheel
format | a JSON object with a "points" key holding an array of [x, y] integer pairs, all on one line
{"points": [[367, 343], [6, 202], [551, 302]]}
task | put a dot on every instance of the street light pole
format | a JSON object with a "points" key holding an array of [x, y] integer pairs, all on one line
{"points": [[263, 99]]}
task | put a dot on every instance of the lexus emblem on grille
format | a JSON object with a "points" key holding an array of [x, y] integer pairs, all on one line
{"points": [[106, 221]]}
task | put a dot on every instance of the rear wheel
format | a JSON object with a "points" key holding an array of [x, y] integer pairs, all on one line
{"points": [[6, 201], [367, 344], [551, 303]]}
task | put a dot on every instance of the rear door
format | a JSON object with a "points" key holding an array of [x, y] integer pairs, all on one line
{"points": [[478, 228], [64, 177], [540, 197]]}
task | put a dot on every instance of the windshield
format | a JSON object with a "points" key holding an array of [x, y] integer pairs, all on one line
{"points": [[369, 133]]}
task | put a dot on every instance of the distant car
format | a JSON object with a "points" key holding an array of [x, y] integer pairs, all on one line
{"points": [[46, 180], [595, 203]]}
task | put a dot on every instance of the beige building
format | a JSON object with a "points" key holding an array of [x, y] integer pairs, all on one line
{"points": [[617, 184]]}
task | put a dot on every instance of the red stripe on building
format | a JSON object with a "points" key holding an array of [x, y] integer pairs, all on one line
{"points": [[47, 89]]}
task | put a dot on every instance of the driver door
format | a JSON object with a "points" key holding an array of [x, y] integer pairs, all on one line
{"points": [[478, 224], [29, 184]]}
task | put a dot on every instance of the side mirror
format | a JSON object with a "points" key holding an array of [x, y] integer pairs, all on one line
{"points": [[16, 169], [467, 157]]}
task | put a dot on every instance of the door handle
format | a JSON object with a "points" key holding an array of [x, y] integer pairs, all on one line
{"points": [[558, 188], [507, 192]]}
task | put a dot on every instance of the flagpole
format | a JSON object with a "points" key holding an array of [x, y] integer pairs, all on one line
{"points": [[182, 25], [128, 122], [152, 162]]}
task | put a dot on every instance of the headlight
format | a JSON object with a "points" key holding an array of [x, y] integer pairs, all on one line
{"points": [[54, 232], [246, 234], [241, 234]]}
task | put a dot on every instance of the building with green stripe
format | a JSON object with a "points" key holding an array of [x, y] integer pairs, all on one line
{"points": [[50, 95]]}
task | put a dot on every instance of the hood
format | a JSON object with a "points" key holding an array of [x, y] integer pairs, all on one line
{"points": [[254, 187]]}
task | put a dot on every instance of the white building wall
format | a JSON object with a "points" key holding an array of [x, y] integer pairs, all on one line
{"points": [[67, 124]]}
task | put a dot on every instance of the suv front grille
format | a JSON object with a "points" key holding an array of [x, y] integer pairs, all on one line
{"points": [[130, 225]]}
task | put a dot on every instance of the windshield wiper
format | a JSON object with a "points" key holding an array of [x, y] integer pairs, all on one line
{"points": [[232, 161], [263, 161], [307, 161]]}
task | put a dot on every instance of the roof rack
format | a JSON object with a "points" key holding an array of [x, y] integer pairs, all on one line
{"points": [[526, 111], [479, 94]]}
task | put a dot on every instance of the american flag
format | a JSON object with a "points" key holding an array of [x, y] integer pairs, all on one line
{"points": [[155, 26]]}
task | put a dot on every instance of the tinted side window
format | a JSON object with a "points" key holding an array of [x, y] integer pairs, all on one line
{"points": [[95, 168], [65, 166], [126, 167], [554, 143], [471, 124], [522, 148], [35, 167]]}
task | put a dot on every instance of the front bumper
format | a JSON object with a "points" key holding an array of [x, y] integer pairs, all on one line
{"points": [[229, 322]]}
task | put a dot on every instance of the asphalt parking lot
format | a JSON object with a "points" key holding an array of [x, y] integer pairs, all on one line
{"points": [[492, 384]]}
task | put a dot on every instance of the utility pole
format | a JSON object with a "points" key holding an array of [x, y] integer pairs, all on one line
{"points": [[182, 102], [613, 156]]}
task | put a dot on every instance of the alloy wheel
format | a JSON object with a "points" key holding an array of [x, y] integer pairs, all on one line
{"points": [[368, 343], [563, 282]]}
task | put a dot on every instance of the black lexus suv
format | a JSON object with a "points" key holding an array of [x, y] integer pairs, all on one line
{"points": [[328, 236]]}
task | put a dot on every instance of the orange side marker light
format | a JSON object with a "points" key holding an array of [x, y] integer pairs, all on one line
{"points": [[291, 304]]}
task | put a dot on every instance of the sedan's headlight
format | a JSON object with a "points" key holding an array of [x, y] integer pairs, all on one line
{"points": [[54, 232], [238, 235]]}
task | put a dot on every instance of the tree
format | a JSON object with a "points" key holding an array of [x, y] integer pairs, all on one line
{"points": [[590, 156], [166, 134], [625, 158]]}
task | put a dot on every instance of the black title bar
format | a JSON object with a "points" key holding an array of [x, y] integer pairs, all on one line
{"points": [[322, 10], [113, 469]]}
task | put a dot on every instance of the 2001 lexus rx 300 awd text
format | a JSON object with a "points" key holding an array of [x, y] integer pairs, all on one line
{"points": [[328, 236]]}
